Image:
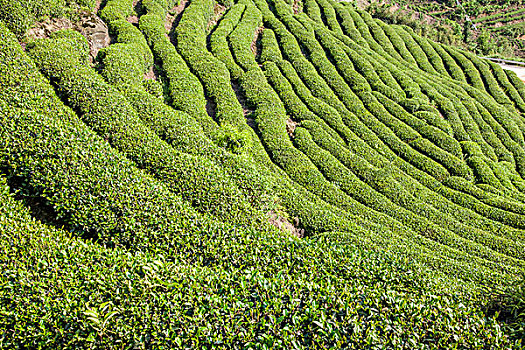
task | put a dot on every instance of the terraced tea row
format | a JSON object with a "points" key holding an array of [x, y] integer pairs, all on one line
{"points": [[205, 137]]}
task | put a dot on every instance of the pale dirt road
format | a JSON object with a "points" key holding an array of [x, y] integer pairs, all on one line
{"points": [[520, 71]]}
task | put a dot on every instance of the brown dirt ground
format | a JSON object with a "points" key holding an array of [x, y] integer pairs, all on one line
{"points": [[97, 6], [296, 7], [283, 224], [290, 127], [255, 38], [218, 11]]}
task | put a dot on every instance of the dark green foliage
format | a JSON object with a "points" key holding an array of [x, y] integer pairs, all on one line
{"points": [[219, 43], [185, 91], [191, 43]]}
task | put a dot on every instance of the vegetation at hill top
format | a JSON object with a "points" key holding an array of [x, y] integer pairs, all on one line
{"points": [[487, 27], [254, 174]]}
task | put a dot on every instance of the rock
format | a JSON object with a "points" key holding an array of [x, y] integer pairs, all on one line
{"points": [[95, 31], [90, 25]]}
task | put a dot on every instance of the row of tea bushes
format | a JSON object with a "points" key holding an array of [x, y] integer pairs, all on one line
{"points": [[460, 124], [185, 90], [176, 127], [191, 43], [91, 188], [219, 39], [455, 235], [363, 209], [241, 38], [121, 289], [106, 111]]}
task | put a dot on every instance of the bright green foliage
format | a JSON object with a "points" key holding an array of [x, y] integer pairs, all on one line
{"points": [[20, 15], [111, 116], [152, 198], [232, 140]]}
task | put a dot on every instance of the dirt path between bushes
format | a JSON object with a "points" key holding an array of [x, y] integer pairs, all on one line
{"points": [[520, 71]]}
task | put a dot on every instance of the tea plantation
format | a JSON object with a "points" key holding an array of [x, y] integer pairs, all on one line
{"points": [[259, 174]]}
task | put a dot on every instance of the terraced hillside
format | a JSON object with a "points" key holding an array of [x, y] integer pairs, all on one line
{"points": [[258, 174], [487, 27]]}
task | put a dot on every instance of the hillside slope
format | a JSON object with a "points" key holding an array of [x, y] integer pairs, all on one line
{"points": [[256, 174]]}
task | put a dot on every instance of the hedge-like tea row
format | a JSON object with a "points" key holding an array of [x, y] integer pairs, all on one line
{"points": [[347, 24], [317, 55], [295, 107], [219, 39], [92, 188], [315, 215], [333, 79], [322, 91], [433, 57], [191, 43], [131, 44], [459, 124], [471, 72], [318, 86], [270, 116], [269, 47], [312, 9], [185, 90], [103, 108], [116, 10], [463, 115], [378, 35], [449, 62], [371, 135], [263, 99], [367, 76], [516, 82], [176, 127], [432, 221], [506, 85], [86, 271], [123, 64], [515, 149], [425, 195], [415, 50], [330, 16], [491, 83], [397, 42], [328, 114], [432, 133], [240, 40], [400, 113]]}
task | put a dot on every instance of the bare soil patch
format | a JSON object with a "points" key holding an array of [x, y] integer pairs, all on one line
{"points": [[218, 11], [97, 6], [284, 224], [296, 7], [90, 26], [290, 127], [254, 46], [151, 74]]}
